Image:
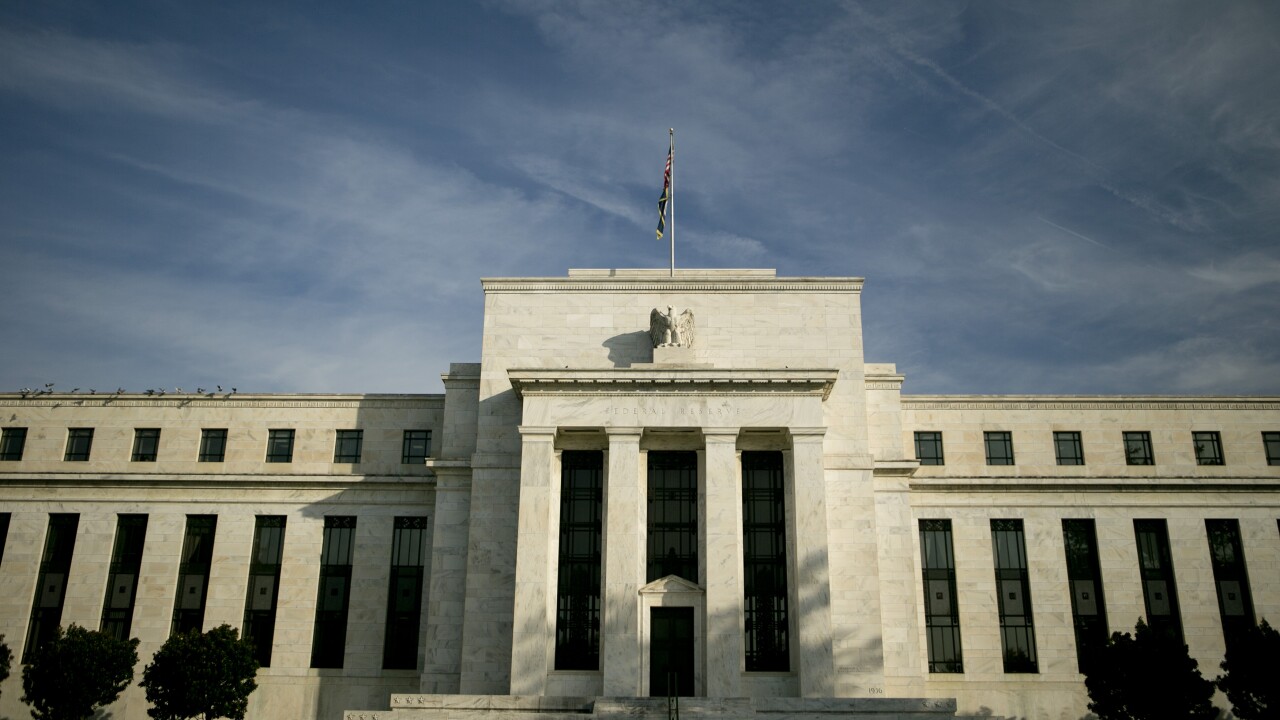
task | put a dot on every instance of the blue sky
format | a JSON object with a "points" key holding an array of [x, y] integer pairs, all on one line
{"points": [[1043, 197]]}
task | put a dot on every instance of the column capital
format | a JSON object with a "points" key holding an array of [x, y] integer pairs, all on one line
{"points": [[534, 432], [720, 434], [623, 432], [802, 434]]}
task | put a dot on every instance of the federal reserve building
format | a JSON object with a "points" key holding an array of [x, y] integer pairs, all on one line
{"points": [[654, 484]]}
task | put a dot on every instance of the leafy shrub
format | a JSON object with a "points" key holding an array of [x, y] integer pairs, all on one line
{"points": [[75, 672], [201, 675]]}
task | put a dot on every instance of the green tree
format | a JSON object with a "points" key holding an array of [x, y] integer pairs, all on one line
{"points": [[76, 672], [1147, 676], [201, 675], [1252, 681]]}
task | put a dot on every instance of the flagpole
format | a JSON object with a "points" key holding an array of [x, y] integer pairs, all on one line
{"points": [[671, 132]]}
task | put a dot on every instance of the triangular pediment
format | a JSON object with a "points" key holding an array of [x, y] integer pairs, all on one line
{"points": [[671, 584]]}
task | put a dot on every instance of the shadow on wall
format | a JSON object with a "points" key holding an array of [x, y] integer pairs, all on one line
{"points": [[628, 348]]}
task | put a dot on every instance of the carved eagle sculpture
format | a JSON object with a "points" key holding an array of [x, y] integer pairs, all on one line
{"points": [[668, 330]]}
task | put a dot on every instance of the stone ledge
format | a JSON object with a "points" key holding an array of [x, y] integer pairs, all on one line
{"points": [[517, 707]]}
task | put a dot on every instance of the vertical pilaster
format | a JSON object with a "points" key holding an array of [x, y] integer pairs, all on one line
{"points": [[533, 625], [808, 560], [624, 559], [446, 595], [723, 553]]}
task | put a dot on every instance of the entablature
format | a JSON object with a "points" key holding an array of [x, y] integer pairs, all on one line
{"points": [[672, 381]]}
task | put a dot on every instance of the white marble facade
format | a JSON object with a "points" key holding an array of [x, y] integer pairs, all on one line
{"points": [[776, 364]]}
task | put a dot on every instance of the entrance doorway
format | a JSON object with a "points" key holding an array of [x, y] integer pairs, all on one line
{"points": [[671, 645]]}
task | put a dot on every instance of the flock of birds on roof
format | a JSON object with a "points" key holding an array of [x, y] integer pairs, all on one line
{"points": [[27, 392]]}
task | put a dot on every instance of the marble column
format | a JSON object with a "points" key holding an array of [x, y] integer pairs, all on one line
{"points": [[624, 560], [723, 553], [809, 569], [535, 534]]}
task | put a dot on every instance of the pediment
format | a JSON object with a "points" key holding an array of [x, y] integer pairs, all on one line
{"points": [[671, 584]]}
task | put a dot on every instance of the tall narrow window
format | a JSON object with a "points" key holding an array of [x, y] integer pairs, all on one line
{"points": [[999, 447], [4, 533], [1013, 588], [1088, 608], [416, 447], [1137, 448], [193, 574], [1068, 448], [346, 448], [1270, 443], [673, 515], [941, 614], [764, 555], [146, 444], [280, 446], [51, 583], [1159, 589], [264, 585], [578, 584], [213, 445], [1208, 448], [329, 642], [79, 443], [12, 442], [122, 578], [1235, 601], [929, 448], [404, 598]]}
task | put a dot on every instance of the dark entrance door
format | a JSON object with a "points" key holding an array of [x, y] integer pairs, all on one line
{"points": [[671, 651]]}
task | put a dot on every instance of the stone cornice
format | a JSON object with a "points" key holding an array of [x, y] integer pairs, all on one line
{"points": [[223, 400], [686, 381], [1087, 402], [687, 281], [1064, 485], [238, 481]]}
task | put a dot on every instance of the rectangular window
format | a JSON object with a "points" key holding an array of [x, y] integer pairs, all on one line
{"points": [[1159, 589], [941, 614], [1270, 443], [764, 555], [280, 446], [929, 448], [346, 449], [999, 447], [1137, 448], [329, 642], [1084, 577], [213, 445], [264, 585], [581, 559], [1013, 594], [1208, 448], [193, 574], [146, 443], [1069, 449], [404, 598], [12, 441], [1235, 601], [122, 578], [79, 443], [51, 584], [416, 448], [673, 515]]}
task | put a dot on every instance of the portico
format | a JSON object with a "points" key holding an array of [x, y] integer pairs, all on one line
{"points": [[632, 416]]}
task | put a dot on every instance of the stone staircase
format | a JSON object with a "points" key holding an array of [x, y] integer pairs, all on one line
{"points": [[518, 707]]}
